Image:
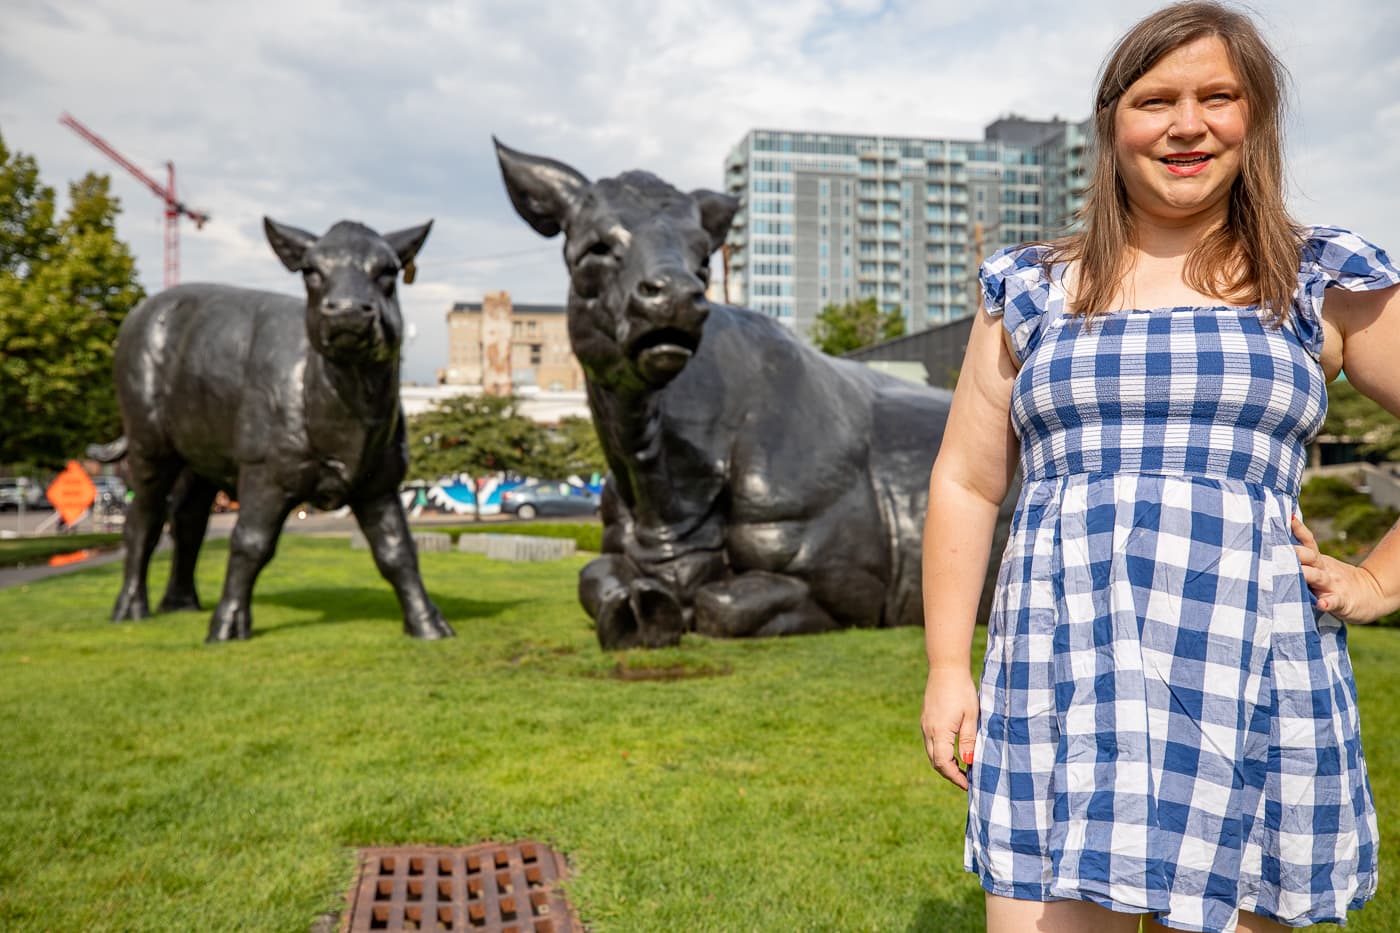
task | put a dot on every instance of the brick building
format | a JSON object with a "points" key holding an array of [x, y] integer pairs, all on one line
{"points": [[506, 347]]}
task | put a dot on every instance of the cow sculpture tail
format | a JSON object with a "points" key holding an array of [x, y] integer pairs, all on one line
{"points": [[108, 453]]}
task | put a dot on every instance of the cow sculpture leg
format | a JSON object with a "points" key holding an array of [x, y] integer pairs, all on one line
{"points": [[759, 603], [383, 522], [262, 508], [190, 503], [151, 481]]}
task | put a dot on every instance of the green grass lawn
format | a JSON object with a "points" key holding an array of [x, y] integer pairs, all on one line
{"points": [[150, 782]]}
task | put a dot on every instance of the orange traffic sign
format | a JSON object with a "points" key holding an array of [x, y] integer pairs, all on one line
{"points": [[72, 492]]}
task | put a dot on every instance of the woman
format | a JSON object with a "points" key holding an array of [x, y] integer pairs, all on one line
{"points": [[1164, 725]]}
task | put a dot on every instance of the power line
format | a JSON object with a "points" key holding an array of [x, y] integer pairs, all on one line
{"points": [[468, 260]]}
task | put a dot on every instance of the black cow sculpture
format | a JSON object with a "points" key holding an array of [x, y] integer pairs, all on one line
{"points": [[276, 401], [757, 486]]}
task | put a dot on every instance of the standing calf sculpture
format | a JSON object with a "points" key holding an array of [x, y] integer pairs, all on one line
{"points": [[277, 402], [757, 486]]}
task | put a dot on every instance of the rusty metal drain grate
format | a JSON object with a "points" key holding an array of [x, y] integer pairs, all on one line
{"points": [[487, 888]]}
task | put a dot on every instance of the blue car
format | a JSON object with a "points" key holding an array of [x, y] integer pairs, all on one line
{"points": [[548, 498]]}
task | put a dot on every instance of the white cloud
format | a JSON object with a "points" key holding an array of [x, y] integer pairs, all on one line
{"points": [[318, 110]]}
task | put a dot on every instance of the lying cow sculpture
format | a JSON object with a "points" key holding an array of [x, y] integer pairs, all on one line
{"points": [[276, 401], [757, 487]]}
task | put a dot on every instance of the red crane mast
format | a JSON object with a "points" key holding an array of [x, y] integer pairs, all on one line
{"points": [[174, 207]]}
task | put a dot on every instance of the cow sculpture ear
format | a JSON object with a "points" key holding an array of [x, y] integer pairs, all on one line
{"points": [[716, 214], [289, 243], [545, 192], [407, 243]]}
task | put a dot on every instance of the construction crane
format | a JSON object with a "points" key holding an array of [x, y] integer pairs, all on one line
{"points": [[174, 207]]}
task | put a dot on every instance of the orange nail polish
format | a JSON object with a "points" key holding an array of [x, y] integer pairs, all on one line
{"points": [[967, 757]]}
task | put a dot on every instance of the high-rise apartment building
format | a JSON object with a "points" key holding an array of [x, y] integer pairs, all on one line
{"points": [[828, 218]]}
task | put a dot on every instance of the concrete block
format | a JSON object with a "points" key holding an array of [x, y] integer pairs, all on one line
{"points": [[517, 547]]}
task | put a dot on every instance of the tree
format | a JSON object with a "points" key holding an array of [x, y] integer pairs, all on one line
{"points": [[842, 328], [1355, 417], [473, 434], [572, 449], [64, 290], [488, 434]]}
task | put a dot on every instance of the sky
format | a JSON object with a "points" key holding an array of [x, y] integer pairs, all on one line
{"points": [[319, 110]]}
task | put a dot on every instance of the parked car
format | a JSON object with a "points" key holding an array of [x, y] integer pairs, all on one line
{"points": [[111, 493], [548, 498], [13, 490]]}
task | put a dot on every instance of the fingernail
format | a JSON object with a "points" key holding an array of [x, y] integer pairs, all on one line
{"points": [[967, 757]]}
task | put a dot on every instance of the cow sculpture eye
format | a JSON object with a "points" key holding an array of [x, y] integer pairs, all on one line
{"points": [[386, 283], [601, 249], [313, 278], [588, 280]]}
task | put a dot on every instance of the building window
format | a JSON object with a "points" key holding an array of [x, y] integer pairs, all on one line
{"points": [[536, 352]]}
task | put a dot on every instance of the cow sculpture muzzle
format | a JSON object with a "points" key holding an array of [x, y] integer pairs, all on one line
{"points": [[667, 314]]}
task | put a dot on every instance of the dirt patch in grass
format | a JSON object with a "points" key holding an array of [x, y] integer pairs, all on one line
{"points": [[639, 671]]}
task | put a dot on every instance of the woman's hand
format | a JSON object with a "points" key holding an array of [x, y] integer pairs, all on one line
{"points": [[949, 718], [1347, 592]]}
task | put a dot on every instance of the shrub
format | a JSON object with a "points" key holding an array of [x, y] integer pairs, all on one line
{"points": [[1325, 496], [1364, 522]]}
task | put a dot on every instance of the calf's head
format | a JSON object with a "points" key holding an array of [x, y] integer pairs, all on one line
{"points": [[352, 309], [638, 254]]}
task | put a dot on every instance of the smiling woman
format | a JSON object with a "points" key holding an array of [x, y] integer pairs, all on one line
{"points": [[1165, 731], [1180, 130]]}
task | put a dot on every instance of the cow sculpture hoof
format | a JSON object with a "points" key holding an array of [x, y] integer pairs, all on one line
{"points": [[236, 625], [642, 614], [130, 609], [180, 602], [429, 627]]}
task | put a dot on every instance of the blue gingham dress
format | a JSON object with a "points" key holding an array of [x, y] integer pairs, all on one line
{"points": [[1167, 724]]}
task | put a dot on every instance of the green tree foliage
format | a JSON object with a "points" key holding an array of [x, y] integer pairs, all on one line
{"points": [[64, 289], [1354, 416], [1325, 496], [571, 449], [488, 434], [842, 328]]}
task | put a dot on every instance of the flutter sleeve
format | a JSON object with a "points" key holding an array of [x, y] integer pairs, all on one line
{"points": [[1333, 257], [1016, 289]]}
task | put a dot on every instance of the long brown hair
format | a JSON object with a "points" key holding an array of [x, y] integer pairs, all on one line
{"points": [[1251, 258]]}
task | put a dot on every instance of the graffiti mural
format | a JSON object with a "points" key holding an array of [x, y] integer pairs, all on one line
{"points": [[460, 494]]}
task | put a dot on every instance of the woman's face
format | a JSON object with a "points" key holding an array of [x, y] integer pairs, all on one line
{"points": [[1179, 131]]}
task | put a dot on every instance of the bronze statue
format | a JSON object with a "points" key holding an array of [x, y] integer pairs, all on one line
{"points": [[757, 486], [276, 401]]}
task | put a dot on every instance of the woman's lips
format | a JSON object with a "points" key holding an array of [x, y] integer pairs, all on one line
{"points": [[1186, 163]]}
